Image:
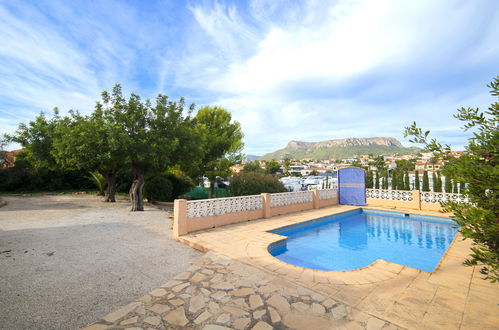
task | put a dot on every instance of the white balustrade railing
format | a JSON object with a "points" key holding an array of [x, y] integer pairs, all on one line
{"points": [[333, 186], [405, 195], [328, 194], [388, 194], [290, 198], [441, 197], [219, 206]]}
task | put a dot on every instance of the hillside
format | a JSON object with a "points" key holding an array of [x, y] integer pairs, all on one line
{"points": [[341, 148]]}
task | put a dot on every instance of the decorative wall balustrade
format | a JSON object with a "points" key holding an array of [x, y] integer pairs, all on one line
{"points": [[333, 186], [328, 194], [405, 195], [289, 198], [218, 206], [388, 194], [440, 197]]}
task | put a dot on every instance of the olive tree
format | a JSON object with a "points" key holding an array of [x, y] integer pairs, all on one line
{"points": [[92, 143], [152, 137], [477, 170], [37, 138]]}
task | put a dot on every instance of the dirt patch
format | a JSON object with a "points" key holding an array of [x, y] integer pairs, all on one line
{"points": [[67, 260]]}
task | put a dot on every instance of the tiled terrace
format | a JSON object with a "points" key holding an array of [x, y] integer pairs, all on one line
{"points": [[379, 296]]}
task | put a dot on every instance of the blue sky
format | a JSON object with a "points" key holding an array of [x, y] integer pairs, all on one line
{"points": [[287, 70]]}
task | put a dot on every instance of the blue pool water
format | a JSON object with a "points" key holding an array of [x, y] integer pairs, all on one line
{"points": [[355, 240]]}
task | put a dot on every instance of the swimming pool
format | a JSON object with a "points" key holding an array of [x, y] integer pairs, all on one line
{"points": [[357, 238]]}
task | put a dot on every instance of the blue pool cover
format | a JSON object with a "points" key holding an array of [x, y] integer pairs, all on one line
{"points": [[352, 186], [360, 237]]}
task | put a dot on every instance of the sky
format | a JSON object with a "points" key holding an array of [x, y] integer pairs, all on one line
{"points": [[286, 70]]}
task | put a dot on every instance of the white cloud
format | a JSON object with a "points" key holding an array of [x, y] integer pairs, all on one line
{"points": [[58, 55], [307, 70], [324, 70]]}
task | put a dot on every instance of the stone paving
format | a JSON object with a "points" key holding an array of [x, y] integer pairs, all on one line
{"points": [[451, 297], [220, 293], [239, 285]]}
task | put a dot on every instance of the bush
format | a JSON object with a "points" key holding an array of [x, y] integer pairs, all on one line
{"points": [[158, 188], [202, 193], [124, 182], [16, 179], [180, 184], [255, 183]]}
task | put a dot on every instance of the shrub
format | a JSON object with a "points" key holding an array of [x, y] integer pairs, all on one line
{"points": [[180, 184], [254, 183], [202, 193], [158, 188], [99, 181], [17, 179]]}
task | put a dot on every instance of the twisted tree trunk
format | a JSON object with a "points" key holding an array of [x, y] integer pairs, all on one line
{"points": [[111, 188], [136, 192], [211, 192]]}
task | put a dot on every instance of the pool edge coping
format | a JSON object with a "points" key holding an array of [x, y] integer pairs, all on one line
{"points": [[257, 251]]}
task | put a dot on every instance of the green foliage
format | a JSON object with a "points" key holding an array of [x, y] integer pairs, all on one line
{"points": [[25, 177], [159, 188], [337, 152], [152, 137], [385, 181], [426, 182], [127, 137], [202, 193], [406, 165], [477, 219], [37, 138], [220, 142], [254, 183], [181, 184], [99, 181], [435, 181], [416, 182], [438, 185], [407, 185], [369, 179], [462, 188], [376, 181], [448, 185], [400, 180], [3, 152], [91, 142], [272, 167], [253, 166], [379, 163], [287, 164]]}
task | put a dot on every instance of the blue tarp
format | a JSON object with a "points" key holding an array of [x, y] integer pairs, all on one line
{"points": [[352, 186]]}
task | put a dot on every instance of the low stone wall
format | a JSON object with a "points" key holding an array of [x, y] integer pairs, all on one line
{"points": [[189, 216]]}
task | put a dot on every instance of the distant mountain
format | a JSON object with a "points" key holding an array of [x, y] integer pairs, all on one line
{"points": [[341, 148], [250, 158]]}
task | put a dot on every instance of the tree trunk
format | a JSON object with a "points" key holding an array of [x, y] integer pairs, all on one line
{"points": [[136, 192], [211, 192], [111, 188]]}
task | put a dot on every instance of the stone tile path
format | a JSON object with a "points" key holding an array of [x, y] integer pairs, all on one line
{"points": [[220, 293]]}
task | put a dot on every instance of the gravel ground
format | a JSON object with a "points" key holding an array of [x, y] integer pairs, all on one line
{"points": [[67, 260]]}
